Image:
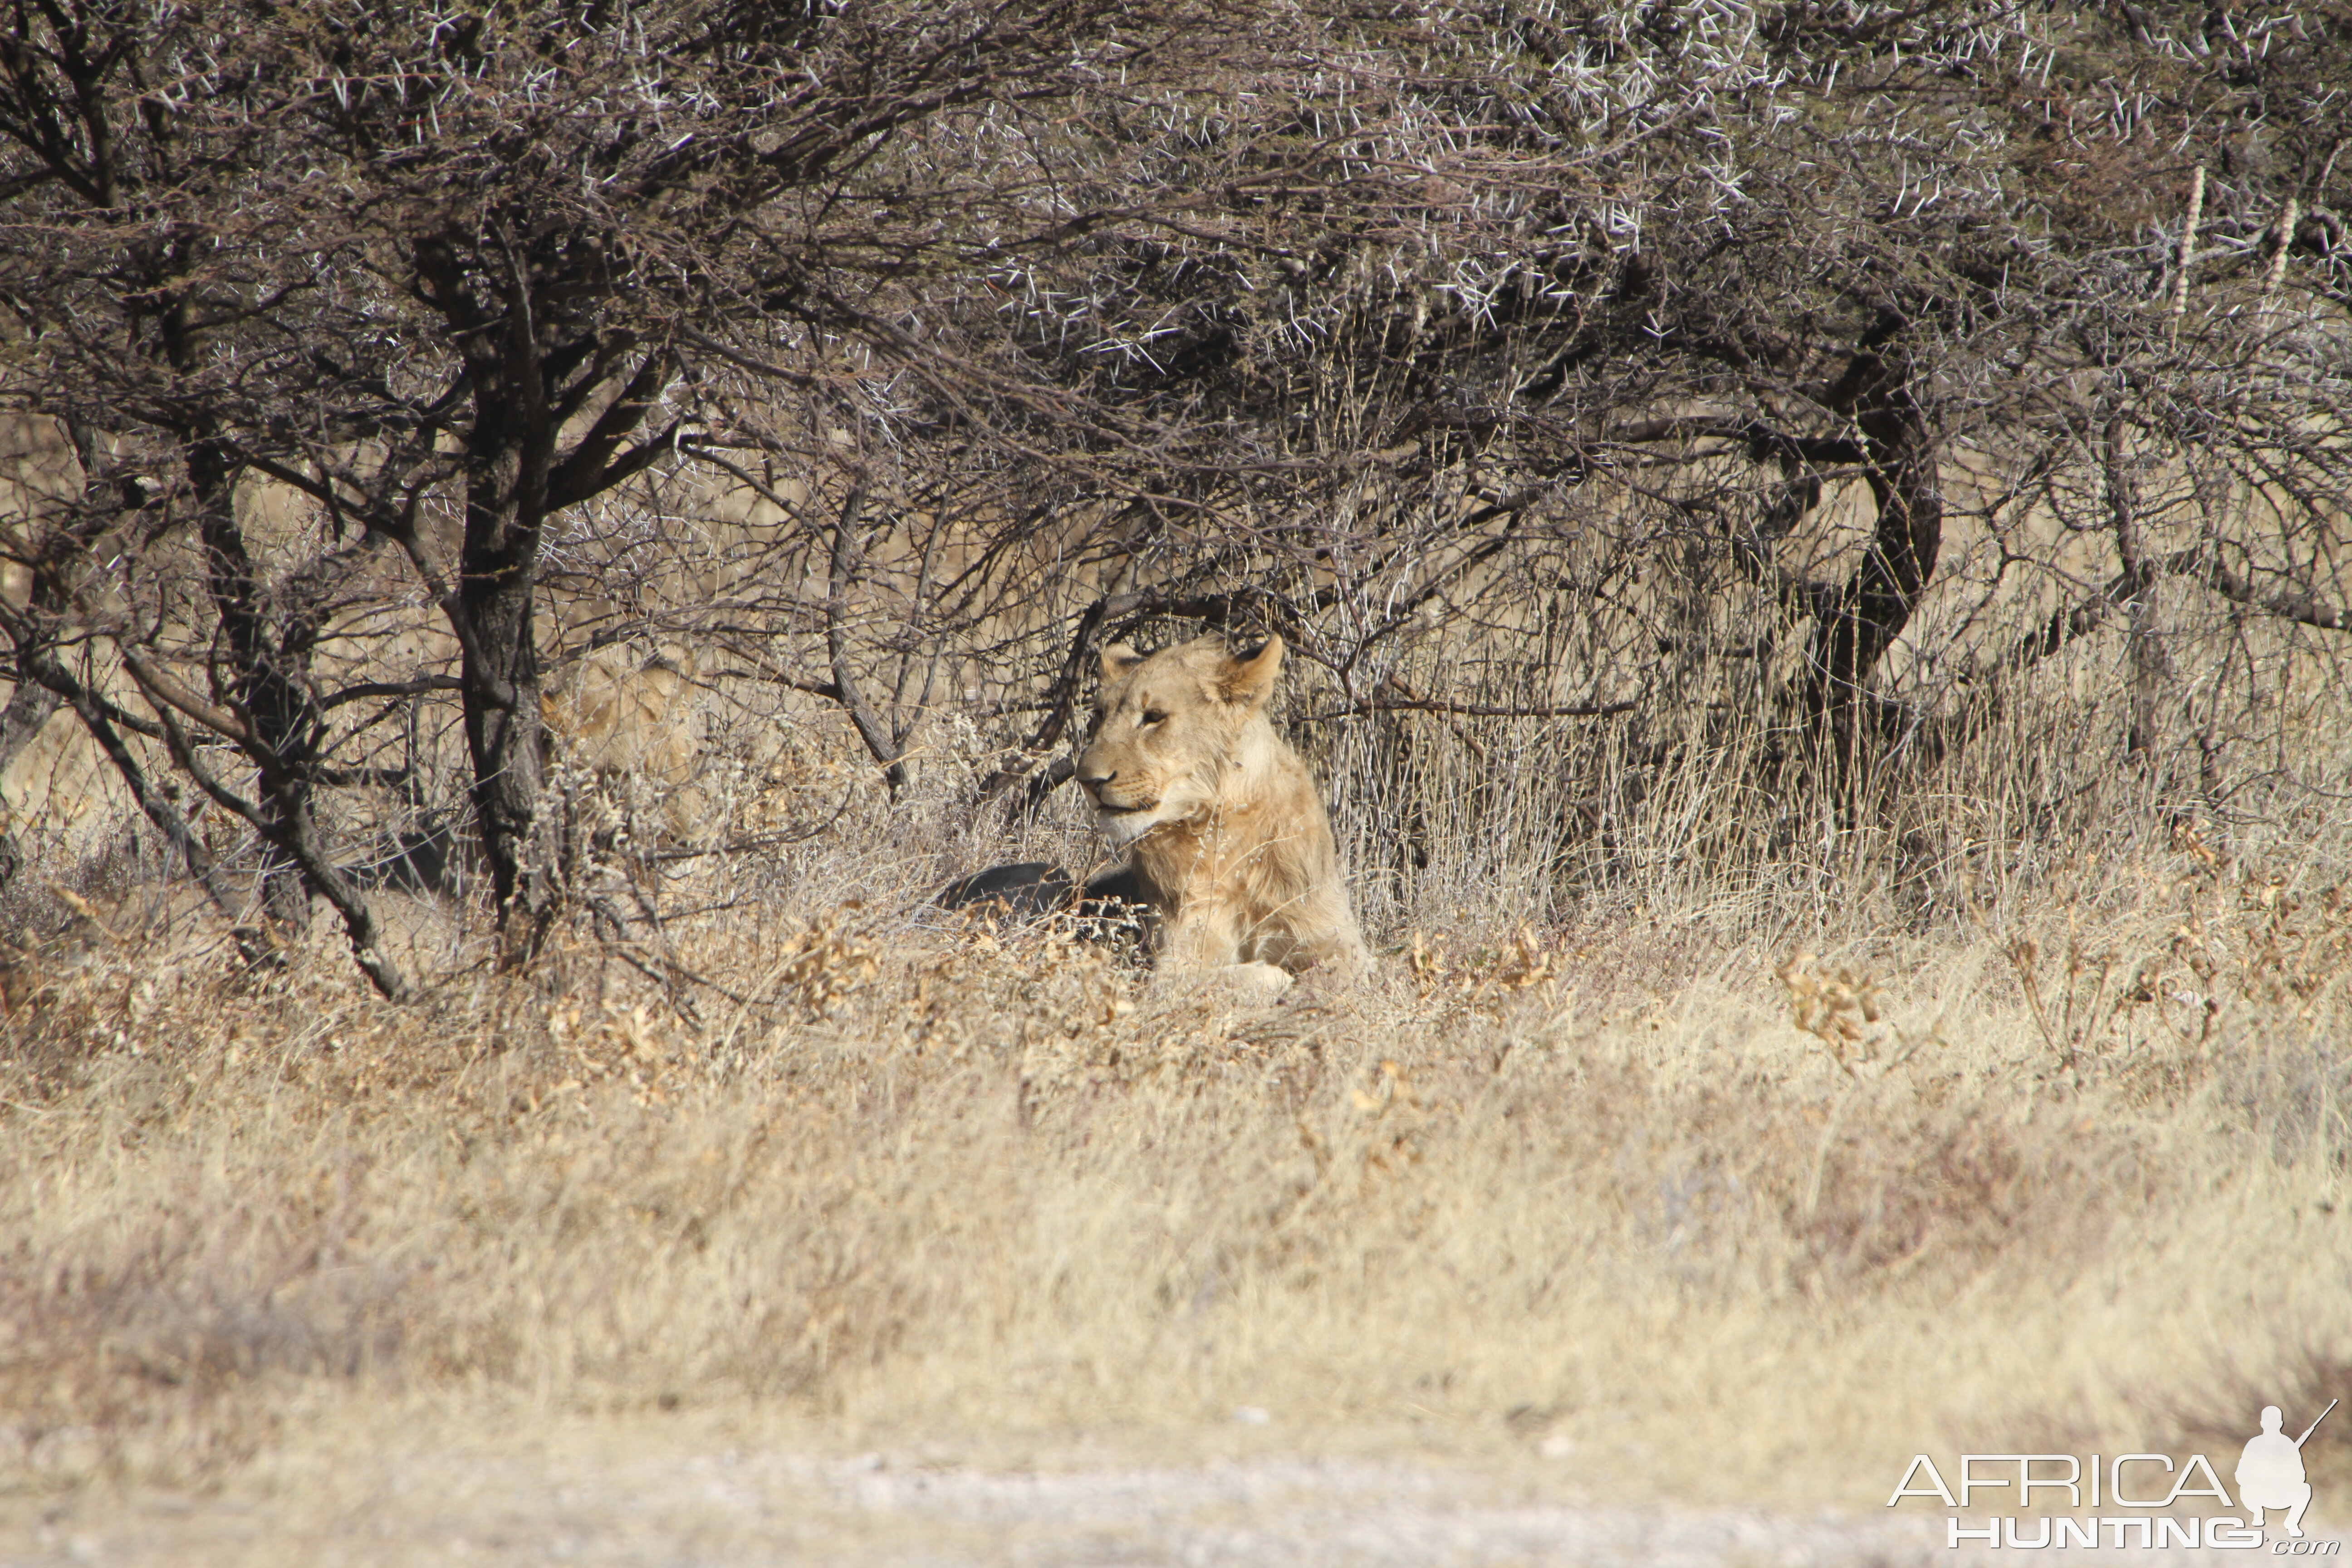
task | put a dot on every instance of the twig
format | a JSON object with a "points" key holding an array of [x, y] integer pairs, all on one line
{"points": [[417, 687], [1468, 710], [2188, 245], [870, 728], [2277, 274]]}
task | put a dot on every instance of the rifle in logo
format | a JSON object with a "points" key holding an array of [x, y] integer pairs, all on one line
{"points": [[2270, 1472]]}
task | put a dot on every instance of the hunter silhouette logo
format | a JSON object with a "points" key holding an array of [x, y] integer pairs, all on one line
{"points": [[2143, 1489], [2270, 1472]]}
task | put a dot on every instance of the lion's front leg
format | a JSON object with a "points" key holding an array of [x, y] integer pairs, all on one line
{"points": [[1203, 943]]}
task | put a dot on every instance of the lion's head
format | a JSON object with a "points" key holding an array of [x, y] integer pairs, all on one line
{"points": [[1168, 730]]}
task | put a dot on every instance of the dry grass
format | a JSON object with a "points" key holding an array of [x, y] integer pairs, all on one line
{"points": [[1704, 1139], [1650, 1192]]}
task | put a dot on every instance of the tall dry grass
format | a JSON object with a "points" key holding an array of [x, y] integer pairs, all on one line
{"points": [[1708, 1130], [1644, 1190]]}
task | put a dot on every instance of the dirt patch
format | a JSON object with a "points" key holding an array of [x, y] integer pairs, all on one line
{"points": [[737, 1507]]}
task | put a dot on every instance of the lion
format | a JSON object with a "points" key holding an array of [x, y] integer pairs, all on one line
{"points": [[633, 721], [1231, 845]]}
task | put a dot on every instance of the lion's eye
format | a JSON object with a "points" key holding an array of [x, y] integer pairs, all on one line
{"points": [[1154, 716]]}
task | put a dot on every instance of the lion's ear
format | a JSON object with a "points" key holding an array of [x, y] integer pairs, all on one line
{"points": [[1117, 659], [1250, 680]]}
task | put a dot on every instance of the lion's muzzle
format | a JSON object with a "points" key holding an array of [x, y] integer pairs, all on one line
{"points": [[1099, 788], [1122, 811]]}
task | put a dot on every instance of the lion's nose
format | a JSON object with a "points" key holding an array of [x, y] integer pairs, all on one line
{"points": [[1093, 783]]}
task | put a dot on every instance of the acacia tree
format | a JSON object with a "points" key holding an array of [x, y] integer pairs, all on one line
{"points": [[1441, 300], [1565, 326], [447, 276], [98, 154]]}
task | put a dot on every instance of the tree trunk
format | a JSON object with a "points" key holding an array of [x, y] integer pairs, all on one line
{"points": [[503, 730], [511, 454], [268, 679], [1862, 619]]}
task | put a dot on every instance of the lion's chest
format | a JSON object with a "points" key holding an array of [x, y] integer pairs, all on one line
{"points": [[1252, 873]]}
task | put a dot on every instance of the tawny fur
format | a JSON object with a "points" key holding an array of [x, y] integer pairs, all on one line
{"points": [[1230, 837]]}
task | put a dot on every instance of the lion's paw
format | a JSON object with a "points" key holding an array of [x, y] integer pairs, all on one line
{"points": [[1257, 982], [1251, 985]]}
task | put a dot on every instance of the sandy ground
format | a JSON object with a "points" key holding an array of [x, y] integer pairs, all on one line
{"points": [[730, 1507]]}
